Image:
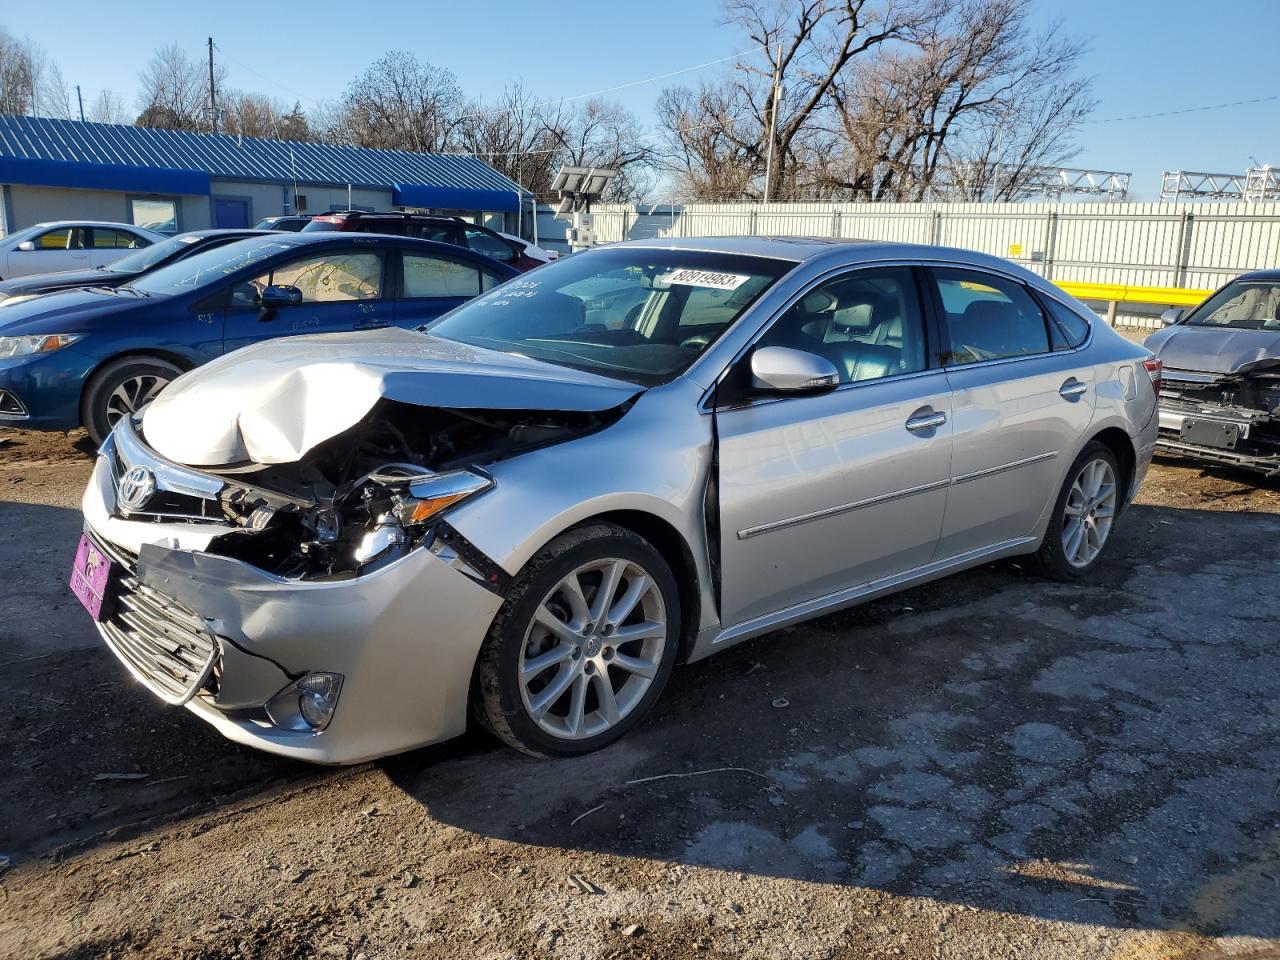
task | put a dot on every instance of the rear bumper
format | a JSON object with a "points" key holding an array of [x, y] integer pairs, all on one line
{"points": [[405, 639]]}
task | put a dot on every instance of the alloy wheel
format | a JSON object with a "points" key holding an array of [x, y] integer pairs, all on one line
{"points": [[132, 395], [1089, 512], [593, 648]]}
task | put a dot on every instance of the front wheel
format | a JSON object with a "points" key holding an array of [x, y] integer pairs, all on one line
{"points": [[1083, 516], [583, 646], [120, 389]]}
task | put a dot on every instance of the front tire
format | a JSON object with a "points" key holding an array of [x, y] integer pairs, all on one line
{"points": [[1084, 515], [119, 389], [583, 645]]}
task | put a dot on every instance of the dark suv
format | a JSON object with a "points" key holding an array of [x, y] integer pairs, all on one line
{"points": [[452, 230]]}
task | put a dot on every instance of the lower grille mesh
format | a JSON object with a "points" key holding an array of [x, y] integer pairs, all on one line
{"points": [[164, 645]]}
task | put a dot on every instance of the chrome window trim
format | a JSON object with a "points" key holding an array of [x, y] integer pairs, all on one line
{"points": [[705, 405], [170, 477]]}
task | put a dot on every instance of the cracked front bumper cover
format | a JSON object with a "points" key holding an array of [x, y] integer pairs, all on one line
{"points": [[404, 637]]}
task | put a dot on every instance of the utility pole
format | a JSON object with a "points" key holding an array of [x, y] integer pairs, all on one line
{"points": [[774, 96], [80, 100], [213, 97]]}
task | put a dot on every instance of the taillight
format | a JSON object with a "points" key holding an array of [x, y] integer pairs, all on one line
{"points": [[1155, 370]]}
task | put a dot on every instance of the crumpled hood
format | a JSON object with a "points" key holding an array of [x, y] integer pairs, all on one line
{"points": [[274, 401], [1213, 349]]}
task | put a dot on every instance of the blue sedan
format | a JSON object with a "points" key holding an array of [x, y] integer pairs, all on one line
{"points": [[90, 357]]}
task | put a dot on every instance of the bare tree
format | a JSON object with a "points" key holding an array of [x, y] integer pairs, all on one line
{"points": [[972, 106], [173, 91], [30, 82], [108, 107], [602, 134], [398, 103], [511, 136], [808, 45]]}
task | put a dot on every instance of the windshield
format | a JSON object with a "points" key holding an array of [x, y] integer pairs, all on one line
{"points": [[1244, 305], [634, 314], [203, 268], [148, 257]]}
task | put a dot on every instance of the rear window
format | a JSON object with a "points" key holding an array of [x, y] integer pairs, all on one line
{"points": [[1069, 329]]}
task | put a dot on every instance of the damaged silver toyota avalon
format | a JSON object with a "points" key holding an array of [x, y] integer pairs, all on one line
{"points": [[338, 547]]}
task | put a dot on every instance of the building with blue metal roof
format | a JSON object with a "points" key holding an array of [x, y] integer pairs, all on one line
{"points": [[174, 180]]}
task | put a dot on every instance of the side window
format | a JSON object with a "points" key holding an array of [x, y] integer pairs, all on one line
{"points": [[867, 322], [482, 241], [326, 278], [1069, 329], [989, 317], [64, 238], [434, 277], [105, 239], [439, 232]]}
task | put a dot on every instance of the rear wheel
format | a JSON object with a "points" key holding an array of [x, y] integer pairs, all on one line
{"points": [[582, 647], [120, 389], [1083, 516]]}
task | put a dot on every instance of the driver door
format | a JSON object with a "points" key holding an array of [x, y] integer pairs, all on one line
{"points": [[819, 493], [342, 289]]}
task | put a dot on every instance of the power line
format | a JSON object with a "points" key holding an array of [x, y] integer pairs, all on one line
{"points": [[264, 79], [1175, 113]]}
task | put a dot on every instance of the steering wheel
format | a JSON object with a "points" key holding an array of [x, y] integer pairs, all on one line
{"points": [[696, 342]]}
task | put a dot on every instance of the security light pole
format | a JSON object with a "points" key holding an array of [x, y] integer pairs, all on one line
{"points": [[577, 187]]}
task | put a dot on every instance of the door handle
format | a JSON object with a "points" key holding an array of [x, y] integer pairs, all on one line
{"points": [[1073, 389], [926, 419]]}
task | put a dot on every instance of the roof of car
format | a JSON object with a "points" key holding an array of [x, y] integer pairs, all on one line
{"points": [[806, 249], [1260, 275], [92, 223], [245, 232]]}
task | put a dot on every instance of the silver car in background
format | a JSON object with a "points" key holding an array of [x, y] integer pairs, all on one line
{"points": [[335, 547]]}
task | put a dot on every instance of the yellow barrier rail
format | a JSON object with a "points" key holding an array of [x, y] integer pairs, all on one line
{"points": [[1123, 293]]}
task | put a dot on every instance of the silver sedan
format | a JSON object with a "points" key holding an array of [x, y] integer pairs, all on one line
{"points": [[341, 546]]}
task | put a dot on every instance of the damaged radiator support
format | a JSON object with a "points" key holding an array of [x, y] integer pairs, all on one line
{"points": [[1232, 418]]}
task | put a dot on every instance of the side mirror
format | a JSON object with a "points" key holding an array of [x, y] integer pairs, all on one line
{"points": [[783, 370], [1171, 316], [280, 295], [27, 246]]}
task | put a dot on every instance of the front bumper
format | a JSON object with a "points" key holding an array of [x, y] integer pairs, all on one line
{"points": [[1171, 439], [404, 637], [47, 387]]}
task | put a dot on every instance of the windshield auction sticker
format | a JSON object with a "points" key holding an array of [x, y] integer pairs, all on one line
{"points": [[706, 278]]}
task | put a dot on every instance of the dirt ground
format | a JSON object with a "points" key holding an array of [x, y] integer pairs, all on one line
{"points": [[989, 766]]}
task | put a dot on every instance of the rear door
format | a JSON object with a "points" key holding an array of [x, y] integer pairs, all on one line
{"points": [[822, 493], [108, 245], [1020, 408], [431, 285], [342, 289]]}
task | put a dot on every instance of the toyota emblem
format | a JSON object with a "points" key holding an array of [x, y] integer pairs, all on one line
{"points": [[136, 487]]}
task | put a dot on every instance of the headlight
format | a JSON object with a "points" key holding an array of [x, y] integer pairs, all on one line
{"points": [[430, 495], [39, 343]]}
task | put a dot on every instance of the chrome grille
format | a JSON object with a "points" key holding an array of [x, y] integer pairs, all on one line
{"points": [[163, 644]]}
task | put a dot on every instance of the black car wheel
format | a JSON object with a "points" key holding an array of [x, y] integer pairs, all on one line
{"points": [[121, 388]]}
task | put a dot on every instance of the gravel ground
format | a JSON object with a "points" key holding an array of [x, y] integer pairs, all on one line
{"points": [[989, 766]]}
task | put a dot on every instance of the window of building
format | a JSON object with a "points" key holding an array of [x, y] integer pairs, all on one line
{"points": [[154, 213]]}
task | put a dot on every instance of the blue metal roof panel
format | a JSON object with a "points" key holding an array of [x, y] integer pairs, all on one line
{"points": [[224, 157]]}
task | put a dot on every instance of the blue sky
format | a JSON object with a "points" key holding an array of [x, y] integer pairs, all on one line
{"points": [[1146, 56]]}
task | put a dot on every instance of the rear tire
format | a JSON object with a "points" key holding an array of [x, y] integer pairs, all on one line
{"points": [[561, 672], [1084, 515], [120, 388]]}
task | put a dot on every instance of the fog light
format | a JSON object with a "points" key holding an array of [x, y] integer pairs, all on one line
{"points": [[306, 706], [318, 697]]}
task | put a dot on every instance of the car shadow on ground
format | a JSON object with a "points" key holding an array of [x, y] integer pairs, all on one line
{"points": [[1098, 753]]}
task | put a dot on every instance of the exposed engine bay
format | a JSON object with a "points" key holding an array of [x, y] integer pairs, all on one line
{"points": [[1230, 418], [367, 496]]}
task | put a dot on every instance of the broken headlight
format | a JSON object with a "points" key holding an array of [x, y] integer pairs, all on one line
{"points": [[413, 502]]}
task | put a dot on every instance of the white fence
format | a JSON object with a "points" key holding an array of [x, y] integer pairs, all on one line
{"points": [[1189, 245]]}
